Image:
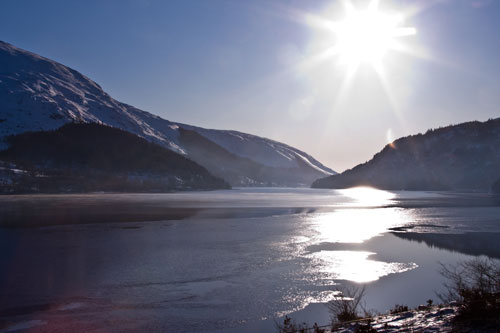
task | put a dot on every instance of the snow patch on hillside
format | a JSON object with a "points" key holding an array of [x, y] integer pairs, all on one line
{"points": [[40, 94]]}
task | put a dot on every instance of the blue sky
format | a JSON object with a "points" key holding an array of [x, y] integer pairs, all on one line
{"points": [[233, 65]]}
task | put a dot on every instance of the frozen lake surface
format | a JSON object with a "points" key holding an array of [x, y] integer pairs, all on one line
{"points": [[227, 260]]}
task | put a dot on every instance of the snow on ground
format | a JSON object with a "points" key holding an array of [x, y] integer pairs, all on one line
{"points": [[433, 319]]}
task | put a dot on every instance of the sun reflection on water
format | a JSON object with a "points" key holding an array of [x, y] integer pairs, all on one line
{"points": [[355, 266], [364, 217], [368, 196], [357, 225]]}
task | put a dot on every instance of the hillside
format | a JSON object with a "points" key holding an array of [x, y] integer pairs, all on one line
{"points": [[39, 94], [93, 157], [243, 170], [459, 157]]}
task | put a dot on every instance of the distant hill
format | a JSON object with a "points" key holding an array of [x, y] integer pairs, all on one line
{"points": [[93, 157], [38, 94], [243, 170], [459, 157]]}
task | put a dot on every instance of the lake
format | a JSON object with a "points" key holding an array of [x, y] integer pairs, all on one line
{"points": [[231, 261]]}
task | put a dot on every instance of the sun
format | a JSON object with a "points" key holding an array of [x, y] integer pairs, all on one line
{"points": [[365, 40], [365, 36]]}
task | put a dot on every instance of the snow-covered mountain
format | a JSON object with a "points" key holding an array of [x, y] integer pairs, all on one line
{"points": [[37, 93]]}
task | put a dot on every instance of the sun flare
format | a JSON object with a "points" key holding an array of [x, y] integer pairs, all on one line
{"points": [[365, 36], [349, 42]]}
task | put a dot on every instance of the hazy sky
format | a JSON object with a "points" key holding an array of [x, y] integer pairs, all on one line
{"points": [[250, 66]]}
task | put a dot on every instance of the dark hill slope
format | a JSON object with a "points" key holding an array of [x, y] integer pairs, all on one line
{"points": [[93, 157], [459, 157]]}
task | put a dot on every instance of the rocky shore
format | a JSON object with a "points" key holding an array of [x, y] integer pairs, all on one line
{"points": [[424, 319]]}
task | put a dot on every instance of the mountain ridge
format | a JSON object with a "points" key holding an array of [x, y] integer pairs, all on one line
{"points": [[37, 93], [465, 156]]}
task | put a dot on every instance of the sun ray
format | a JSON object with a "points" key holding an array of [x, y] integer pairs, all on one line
{"points": [[348, 7], [403, 32], [379, 69], [363, 36], [346, 84], [316, 59]]}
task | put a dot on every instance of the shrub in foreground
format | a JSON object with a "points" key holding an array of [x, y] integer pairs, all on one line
{"points": [[398, 309], [347, 305], [475, 286]]}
